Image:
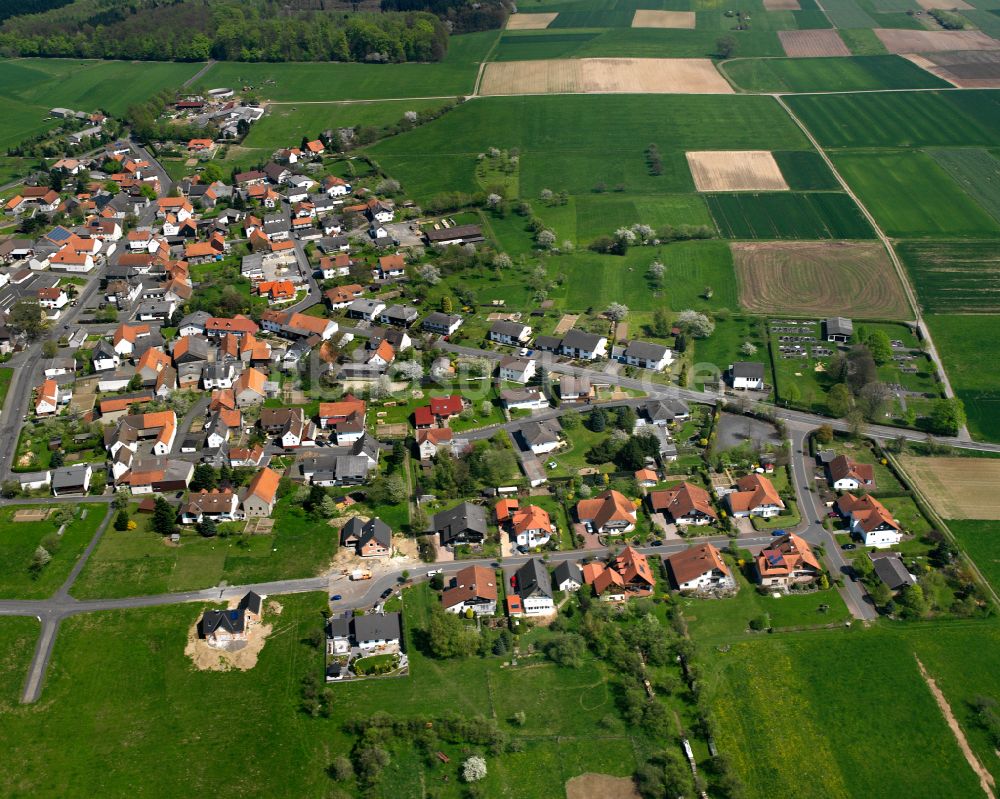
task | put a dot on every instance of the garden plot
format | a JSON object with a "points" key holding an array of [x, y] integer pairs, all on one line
{"points": [[912, 41], [530, 22], [604, 76], [813, 44], [854, 279], [972, 69], [735, 170], [958, 488], [665, 19]]}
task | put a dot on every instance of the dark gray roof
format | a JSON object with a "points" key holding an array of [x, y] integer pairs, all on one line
{"points": [[505, 328], [377, 627], [441, 320], [547, 342], [645, 350], [251, 601], [540, 432], [892, 572], [533, 580], [339, 628], [838, 326], [581, 340], [567, 570], [68, 477], [753, 370], [451, 524]]}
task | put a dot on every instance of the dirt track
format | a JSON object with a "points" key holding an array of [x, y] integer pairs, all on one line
{"points": [[604, 76], [813, 44], [735, 170]]}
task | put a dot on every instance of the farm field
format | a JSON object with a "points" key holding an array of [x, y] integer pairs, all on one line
{"points": [[970, 69], [832, 676], [441, 155], [317, 82], [735, 170], [954, 277], [981, 542], [921, 41], [958, 488], [156, 709], [910, 195], [529, 22], [604, 75], [965, 343], [856, 280], [805, 170], [788, 215], [20, 540], [858, 73], [138, 562], [812, 44], [902, 119], [976, 171]]}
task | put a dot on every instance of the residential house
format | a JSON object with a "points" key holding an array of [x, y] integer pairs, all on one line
{"points": [[644, 355], [473, 588], [215, 505], [248, 388], [49, 396], [610, 513], [343, 296], [755, 496], [377, 631], [870, 520], [700, 570], [261, 494], [432, 440], [889, 568], [511, 333], [289, 426], [365, 309], [747, 376], [441, 323], [528, 527], [531, 593], [624, 576], [371, 539], [788, 560], [849, 475], [71, 479], [575, 389], [542, 437], [221, 627], [516, 370], [525, 399], [126, 337], [583, 346], [438, 411], [399, 315], [567, 576], [389, 267], [463, 524]]}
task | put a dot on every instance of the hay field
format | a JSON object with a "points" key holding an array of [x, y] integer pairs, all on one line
{"points": [[958, 488], [530, 22], [782, 5], [735, 170], [950, 5], [974, 69], [915, 41], [827, 278], [813, 44], [604, 76], [664, 19]]}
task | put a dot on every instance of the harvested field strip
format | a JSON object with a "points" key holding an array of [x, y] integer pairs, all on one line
{"points": [[664, 19], [958, 488], [956, 5], [731, 170], [604, 75], [781, 5], [954, 277], [856, 73], [907, 41], [812, 44], [976, 171], [825, 278], [788, 216], [910, 195], [529, 22]]}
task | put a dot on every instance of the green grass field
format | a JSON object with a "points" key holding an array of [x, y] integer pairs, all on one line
{"points": [[301, 82], [826, 699], [981, 541], [784, 215], [18, 543], [441, 155], [910, 195], [805, 170], [862, 73], [965, 343], [139, 562], [954, 277], [630, 43], [17, 643], [902, 119], [977, 172]]}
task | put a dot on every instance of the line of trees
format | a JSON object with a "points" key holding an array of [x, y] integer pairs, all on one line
{"points": [[226, 30]]}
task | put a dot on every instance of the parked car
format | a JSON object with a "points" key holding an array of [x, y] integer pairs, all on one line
{"points": [[849, 546], [387, 593], [336, 598]]}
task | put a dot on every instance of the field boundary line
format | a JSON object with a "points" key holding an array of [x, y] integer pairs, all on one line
{"points": [[927, 508], [887, 243], [359, 101]]}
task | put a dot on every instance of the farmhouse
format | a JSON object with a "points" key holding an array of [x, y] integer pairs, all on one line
{"points": [[685, 504], [755, 496], [786, 561], [456, 234], [869, 519], [610, 513], [473, 588], [700, 570]]}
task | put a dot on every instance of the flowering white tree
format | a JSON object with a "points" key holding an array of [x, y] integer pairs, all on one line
{"points": [[616, 311], [410, 116], [545, 238], [409, 370], [748, 348], [695, 324], [429, 273], [643, 232], [625, 235], [493, 201], [474, 769], [502, 261], [546, 195]]}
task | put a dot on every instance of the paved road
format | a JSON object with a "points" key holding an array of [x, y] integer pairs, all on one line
{"points": [[200, 73], [313, 297], [196, 410]]}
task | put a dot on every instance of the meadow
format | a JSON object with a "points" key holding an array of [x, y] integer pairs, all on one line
{"points": [[20, 540], [561, 155], [17, 643], [981, 542], [317, 82], [786, 215], [860, 73], [965, 344], [816, 698], [910, 195], [901, 119], [954, 277], [977, 171]]}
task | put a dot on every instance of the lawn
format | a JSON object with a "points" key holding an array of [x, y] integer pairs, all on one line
{"points": [[139, 562], [559, 155], [901, 119], [17, 643], [910, 195], [860, 73], [314, 82], [6, 375], [817, 696], [981, 542], [954, 277], [965, 343], [787, 215], [19, 540]]}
